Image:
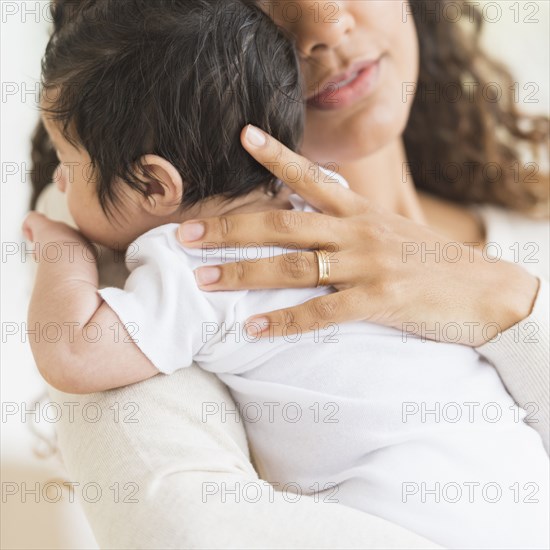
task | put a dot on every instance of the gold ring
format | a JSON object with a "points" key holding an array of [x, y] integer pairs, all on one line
{"points": [[323, 260]]}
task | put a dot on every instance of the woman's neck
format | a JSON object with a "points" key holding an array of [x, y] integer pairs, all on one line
{"points": [[385, 180]]}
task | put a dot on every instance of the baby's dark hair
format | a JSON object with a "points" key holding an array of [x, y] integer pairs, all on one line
{"points": [[176, 78]]}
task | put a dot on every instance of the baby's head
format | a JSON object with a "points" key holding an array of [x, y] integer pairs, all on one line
{"points": [[145, 101]]}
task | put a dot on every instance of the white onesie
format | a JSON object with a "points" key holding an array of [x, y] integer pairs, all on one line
{"points": [[421, 433]]}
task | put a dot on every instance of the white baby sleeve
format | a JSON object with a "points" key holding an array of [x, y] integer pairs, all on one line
{"points": [[160, 305]]}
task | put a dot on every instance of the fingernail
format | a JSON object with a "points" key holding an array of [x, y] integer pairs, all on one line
{"points": [[208, 275], [257, 325], [190, 232], [255, 137]]}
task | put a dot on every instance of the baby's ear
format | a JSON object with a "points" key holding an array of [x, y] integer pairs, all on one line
{"points": [[165, 186]]}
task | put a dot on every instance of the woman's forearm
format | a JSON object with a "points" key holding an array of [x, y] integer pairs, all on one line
{"points": [[184, 480]]}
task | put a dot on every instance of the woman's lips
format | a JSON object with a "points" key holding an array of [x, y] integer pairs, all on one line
{"points": [[343, 90]]}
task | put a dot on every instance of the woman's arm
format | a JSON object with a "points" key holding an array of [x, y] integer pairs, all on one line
{"points": [[521, 356], [90, 355], [521, 353], [171, 459]]}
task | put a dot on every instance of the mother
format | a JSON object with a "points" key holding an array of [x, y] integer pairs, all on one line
{"points": [[419, 144]]}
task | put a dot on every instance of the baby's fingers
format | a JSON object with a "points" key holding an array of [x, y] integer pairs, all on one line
{"points": [[43, 232], [39, 228], [34, 225]]}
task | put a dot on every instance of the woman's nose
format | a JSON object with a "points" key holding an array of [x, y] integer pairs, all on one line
{"points": [[323, 26]]}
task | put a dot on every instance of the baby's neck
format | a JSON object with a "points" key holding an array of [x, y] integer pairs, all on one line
{"points": [[256, 201]]}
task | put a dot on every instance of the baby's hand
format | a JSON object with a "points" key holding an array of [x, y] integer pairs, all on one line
{"points": [[39, 229]]}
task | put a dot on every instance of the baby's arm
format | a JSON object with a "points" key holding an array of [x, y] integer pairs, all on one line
{"points": [[95, 351]]}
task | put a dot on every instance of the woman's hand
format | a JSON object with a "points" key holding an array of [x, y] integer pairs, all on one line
{"points": [[387, 269]]}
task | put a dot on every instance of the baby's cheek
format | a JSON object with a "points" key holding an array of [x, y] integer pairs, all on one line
{"points": [[88, 216], [60, 178], [74, 209]]}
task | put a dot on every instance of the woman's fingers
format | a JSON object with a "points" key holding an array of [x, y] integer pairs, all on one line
{"points": [[292, 270], [282, 228], [318, 188], [320, 314]]}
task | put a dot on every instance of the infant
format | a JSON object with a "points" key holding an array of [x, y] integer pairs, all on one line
{"points": [[145, 102]]}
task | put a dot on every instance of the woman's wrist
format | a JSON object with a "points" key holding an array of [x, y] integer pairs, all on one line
{"points": [[515, 295]]}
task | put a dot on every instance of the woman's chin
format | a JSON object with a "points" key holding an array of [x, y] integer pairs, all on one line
{"points": [[348, 151], [354, 142], [352, 134]]}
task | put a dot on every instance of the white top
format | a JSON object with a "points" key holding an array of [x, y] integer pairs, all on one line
{"points": [[421, 433]]}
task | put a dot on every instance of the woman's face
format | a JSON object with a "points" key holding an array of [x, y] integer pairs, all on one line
{"points": [[357, 58]]}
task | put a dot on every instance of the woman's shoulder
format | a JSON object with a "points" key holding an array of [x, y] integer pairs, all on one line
{"points": [[516, 237], [505, 224], [499, 232], [452, 220]]}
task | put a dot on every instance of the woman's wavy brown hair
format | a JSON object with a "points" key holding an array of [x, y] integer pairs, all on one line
{"points": [[464, 142], [466, 130]]}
